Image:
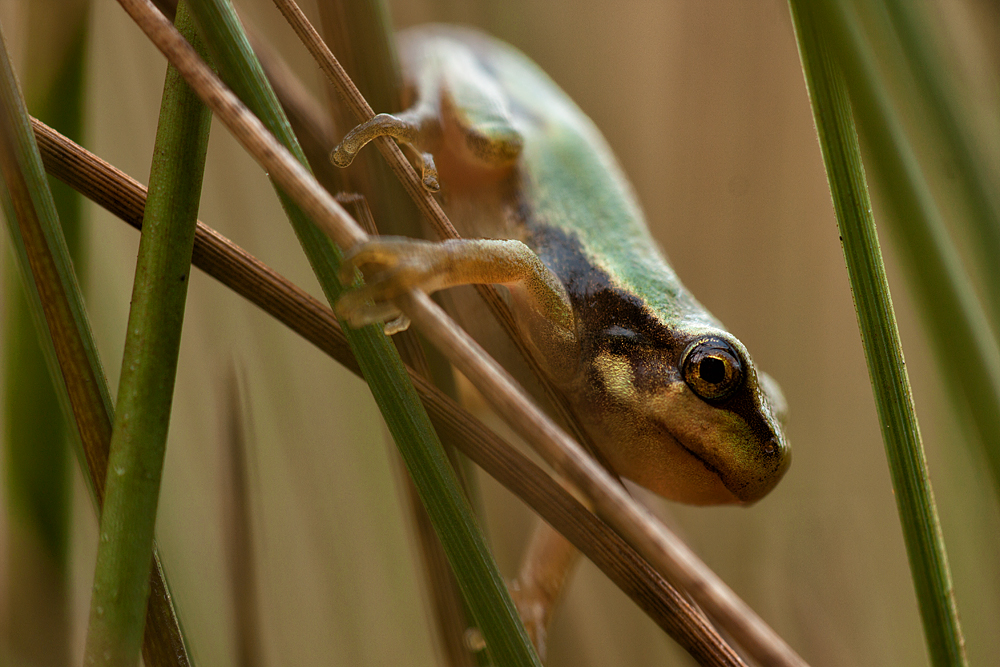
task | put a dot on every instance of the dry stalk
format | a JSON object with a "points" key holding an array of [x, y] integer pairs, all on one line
{"points": [[667, 553]]}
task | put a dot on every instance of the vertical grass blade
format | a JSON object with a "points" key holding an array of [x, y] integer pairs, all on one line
{"points": [[149, 365], [976, 188], [967, 352], [49, 279], [237, 529], [883, 351], [445, 598], [407, 421], [363, 33], [36, 455], [70, 352]]}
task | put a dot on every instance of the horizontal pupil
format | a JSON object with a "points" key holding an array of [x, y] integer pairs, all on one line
{"points": [[712, 370]]}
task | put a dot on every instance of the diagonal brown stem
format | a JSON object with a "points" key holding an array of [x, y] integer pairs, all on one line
{"points": [[647, 534], [261, 285]]}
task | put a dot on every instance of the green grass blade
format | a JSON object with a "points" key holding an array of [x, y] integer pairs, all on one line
{"points": [[408, 423], [149, 365], [883, 351], [366, 48], [237, 523], [967, 352], [975, 186], [68, 343], [36, 456], [50, 281]]}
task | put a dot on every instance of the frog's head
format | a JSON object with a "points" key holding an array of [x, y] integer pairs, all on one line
{"points": [[686, 415]]}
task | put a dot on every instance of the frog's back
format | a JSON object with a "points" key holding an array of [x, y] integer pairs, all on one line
{"points": [[574, 206]]}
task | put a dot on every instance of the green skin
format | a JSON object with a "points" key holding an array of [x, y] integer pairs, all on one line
{"points": [[668, 396]]}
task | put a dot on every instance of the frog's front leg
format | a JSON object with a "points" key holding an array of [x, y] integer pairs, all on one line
{"points": [[461, 117], [394, 265], [414, 128]]}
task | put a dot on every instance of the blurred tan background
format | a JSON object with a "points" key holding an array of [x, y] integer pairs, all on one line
{"points": [[705, 106]]}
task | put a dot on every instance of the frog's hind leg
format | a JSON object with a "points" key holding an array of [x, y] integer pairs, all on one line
{"points": [[545, 571], [477, 121]]}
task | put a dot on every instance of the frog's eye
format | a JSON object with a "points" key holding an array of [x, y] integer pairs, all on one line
{"points": [[712, 368], [619, 340]]}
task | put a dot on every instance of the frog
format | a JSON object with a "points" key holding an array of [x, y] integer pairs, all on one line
{"points": [[666, 396]]}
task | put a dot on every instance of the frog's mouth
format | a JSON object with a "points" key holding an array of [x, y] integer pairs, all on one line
{"points": [[712, 469]]}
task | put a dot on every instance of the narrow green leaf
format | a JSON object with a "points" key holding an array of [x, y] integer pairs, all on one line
{"points": [[149, 365], [68, 343], [405, 417], [36, 443], [366, 47], [36, 455], [49, 279], [967, 352], [977, 190], [883, 351]]}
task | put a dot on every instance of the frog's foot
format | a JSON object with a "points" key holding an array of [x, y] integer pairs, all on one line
{"points": [[403, 129], [539, 585], [535, 613], [393, 265]]}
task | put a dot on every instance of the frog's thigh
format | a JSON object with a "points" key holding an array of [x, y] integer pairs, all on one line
{"points": [[395, 265], [476, 119]]}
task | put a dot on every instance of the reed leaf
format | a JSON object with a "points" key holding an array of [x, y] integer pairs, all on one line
{"points": [[70, 352], [879, 334], [36, 453], [975, 187], [363, 33], [967, 352], [149, 365]]}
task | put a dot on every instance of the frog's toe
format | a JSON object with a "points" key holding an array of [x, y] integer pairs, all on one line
{"points": [[399, 324], [392, 265], [372, 301], [387, 285], [377, 254], [340, 157], [429, 172], [358, 310]]}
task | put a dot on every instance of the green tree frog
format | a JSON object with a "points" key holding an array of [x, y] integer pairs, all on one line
{"points": [[671, 400]]}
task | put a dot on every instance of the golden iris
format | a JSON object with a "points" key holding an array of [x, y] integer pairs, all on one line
{"points": [[712, 368]]}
